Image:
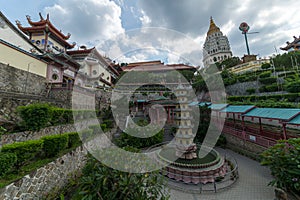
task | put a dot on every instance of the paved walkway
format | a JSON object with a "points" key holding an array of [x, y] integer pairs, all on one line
{"points": [[251, 185]]}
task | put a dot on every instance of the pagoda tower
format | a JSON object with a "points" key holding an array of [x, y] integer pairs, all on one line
{"points": [[216, 47], [185, 146]]}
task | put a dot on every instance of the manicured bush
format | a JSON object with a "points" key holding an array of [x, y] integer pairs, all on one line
{"points": [[7, 161], [265, 74], [53, 144], [268, 80], [24, 150], [251, 90], [61, 116], [74, 139], [293, 86], [35, 116]]}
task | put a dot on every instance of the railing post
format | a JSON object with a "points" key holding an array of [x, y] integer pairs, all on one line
{"points": [[200, 187], [215, 186]]}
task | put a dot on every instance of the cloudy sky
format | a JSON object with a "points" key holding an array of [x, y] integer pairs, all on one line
{"points": [[169, 30]]}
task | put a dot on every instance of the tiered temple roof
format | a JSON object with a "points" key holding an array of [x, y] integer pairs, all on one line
{"points": [[44, 25], [155, 66]]}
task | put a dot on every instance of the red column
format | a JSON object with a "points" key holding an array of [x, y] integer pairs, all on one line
{"points": [[233, 120], [260, 126], [284, 131], [243, 127]]}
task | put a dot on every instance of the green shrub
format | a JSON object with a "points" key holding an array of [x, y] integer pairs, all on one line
{"points": [[251, 90], [266, 66], [53, 144], [222, 141], [136, 142], [109, 123], [293, 86], [283, 160], [74, 139], [61, 116], [265, 74], [272, 88], [103, 127], [35, 116], [24, 150], [268, 80], [7, 161]]}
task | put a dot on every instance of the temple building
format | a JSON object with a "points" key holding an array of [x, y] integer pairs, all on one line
{"points": [[155, 66], [62, 68], [216, 47], [17, 51], [292, 46], [96, 70]]}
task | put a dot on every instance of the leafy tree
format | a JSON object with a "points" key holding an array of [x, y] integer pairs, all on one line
{"points": [[101, 182], [230, 62], [266, 66], [284, 162]]}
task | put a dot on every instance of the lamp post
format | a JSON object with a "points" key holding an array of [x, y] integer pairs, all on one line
{"points": [[28, 67], [244, 27]]}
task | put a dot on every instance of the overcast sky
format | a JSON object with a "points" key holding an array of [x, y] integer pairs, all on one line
{"points": [[180, 25]]}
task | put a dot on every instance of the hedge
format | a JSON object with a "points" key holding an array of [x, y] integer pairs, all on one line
{"points": [[251, 90], [7, 161], [290, 97], [53, 144], [265, 74], [35, 116], [40, 115], [268, 80], [24, 150], [74, 139]]}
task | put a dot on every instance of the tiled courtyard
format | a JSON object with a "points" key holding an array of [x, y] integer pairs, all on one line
{"points": [[251, 185]]}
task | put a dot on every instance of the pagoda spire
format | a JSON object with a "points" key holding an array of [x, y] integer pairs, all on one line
{"points": [[213, 28]]}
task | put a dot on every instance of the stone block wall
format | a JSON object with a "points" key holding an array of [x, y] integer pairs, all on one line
{"points": [[16, 80], [47, 180], [240, 88], [9, 101], [244, 145], [35, 135]]}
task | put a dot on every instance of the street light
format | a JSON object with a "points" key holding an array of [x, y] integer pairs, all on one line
{"points": [[28, 67], [244, 27]]}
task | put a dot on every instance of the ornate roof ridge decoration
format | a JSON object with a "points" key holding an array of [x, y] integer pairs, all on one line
{"points": [[45, 25], [80, 51], [213, 28], [46, 21], [293, 44]]}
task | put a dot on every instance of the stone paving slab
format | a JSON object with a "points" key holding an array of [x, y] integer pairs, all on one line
{"points": [[251, 185]]}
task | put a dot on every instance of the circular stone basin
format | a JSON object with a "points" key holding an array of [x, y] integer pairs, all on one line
{"points": [[168, 155], [198, 170]]}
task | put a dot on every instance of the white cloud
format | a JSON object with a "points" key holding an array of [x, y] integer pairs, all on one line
{"points": [[88, 21]]}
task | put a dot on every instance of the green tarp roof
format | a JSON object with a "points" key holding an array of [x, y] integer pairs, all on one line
{"points": [[237, 109], [194, 103], [218, 106], [273, 113], [296, 120]]}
